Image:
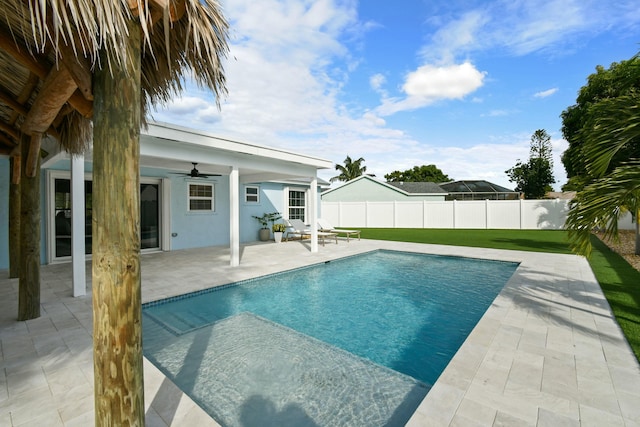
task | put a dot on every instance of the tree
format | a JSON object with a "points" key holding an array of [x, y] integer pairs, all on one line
{"points": [[535, 177], [424, 173], [611, 133], [620, 79], [351, 170]]}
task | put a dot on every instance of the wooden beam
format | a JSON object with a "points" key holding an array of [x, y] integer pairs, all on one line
{"points": [[79, 68], [177, 8], [29, 282], [16, 169], [14, 217], [10, 130], [41, 69], [25, 94], [54, 93], [12, 103], [33, 156], [6, 141], [116, 282]]}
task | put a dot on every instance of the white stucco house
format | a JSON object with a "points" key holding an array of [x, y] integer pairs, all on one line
{"points": [[178, 209]]}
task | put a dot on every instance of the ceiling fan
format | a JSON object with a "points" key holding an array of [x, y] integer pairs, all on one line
{"points": [[195, 173]]}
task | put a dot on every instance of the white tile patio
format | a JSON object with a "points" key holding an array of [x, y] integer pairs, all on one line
{"points": [[548, 352]]}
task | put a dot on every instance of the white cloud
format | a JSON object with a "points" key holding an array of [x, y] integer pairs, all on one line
{"points": [[496, 113], [524, 26], [430, 83], [376, 81], [545, 93], [454, 37]]}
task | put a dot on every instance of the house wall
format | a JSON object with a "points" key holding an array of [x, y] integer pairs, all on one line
{"points": [[199, 229], [271, 199], [368, 190]]}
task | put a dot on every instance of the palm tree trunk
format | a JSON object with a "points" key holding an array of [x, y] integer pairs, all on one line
{"points": [[29, 292], [117, 311]]}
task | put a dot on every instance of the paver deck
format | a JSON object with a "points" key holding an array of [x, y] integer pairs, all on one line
{"points": [[548, 351]]}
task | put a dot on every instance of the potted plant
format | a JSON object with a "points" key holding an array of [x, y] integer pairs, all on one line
{"points": [[278, 231], [264, 233]]}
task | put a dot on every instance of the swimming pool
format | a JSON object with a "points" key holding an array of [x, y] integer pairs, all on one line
{"points": [[407, 312]]}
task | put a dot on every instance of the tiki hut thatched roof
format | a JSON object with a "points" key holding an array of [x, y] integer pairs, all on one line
{"points": [[49, 50]]}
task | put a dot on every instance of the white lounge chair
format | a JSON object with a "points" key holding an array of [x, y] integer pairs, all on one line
{"points": [[298, 228], [325, 226]]}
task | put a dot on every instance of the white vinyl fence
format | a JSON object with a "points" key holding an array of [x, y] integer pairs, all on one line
{"points": [[505, 214]]}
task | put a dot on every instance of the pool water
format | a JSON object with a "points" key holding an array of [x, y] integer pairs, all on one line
{"points": [[404, 311]]}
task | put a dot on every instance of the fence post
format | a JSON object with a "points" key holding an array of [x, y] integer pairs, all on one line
{"points": [[366, 214], [521, 214], [395, 214], [424, 214], [486, 214], [454, 213]]}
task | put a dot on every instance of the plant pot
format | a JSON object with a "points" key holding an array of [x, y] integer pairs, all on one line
{"points": [[278, 236], [264, 234]]}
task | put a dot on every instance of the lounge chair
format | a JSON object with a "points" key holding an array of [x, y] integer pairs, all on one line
{"points": [[298, 228], [325, 226]]}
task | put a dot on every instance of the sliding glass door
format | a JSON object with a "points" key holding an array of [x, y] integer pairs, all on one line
{"points": [[150, 216]]}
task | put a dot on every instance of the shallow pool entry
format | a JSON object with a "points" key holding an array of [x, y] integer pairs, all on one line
{"points": [[248, 371], [357, 341]]}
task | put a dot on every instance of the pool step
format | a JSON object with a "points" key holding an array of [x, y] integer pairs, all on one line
{"points": [[181, 322]]}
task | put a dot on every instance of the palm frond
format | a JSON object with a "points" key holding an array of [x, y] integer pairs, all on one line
{"points": [[600, 205], [614, 123]]}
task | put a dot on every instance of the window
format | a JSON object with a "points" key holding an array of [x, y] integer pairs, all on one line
{"points": [[251, 194], [201, 197], [297, 204]]}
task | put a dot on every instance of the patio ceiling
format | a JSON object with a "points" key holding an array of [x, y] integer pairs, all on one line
{"points": [[174, 148]]}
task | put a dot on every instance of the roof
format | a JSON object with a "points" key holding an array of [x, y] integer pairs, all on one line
{"points": [[474, 186], [418, 187], [432, 188], [50, 52]]}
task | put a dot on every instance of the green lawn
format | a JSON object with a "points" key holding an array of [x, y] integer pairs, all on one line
{"points": [[619, 281]]}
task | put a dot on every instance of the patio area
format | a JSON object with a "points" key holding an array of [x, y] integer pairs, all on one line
{"points": [[548, 352]]}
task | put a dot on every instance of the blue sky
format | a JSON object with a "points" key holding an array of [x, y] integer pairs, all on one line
{"points": [[459, 84]]}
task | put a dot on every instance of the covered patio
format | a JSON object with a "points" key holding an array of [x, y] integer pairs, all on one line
{"points": [[547, 352]]}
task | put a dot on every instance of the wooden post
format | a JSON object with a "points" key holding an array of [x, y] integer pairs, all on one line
{"points": [[29, 292], [117, 311], [14, 218]]}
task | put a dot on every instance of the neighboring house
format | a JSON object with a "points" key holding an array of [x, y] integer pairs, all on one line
{"points": [[368, 189], [477, 190], [562, 195], [177, 210]]}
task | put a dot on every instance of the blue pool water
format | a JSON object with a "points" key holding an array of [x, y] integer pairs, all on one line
{"points": [[405, 311]]}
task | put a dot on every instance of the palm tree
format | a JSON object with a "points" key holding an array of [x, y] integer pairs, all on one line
{"points": [[351, 170], [613, 127]]}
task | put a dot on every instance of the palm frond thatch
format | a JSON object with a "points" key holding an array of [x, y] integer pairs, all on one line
{"points": [[183, 39]]}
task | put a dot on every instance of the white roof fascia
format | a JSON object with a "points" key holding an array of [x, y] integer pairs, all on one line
{"points": [[199, 138]]}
